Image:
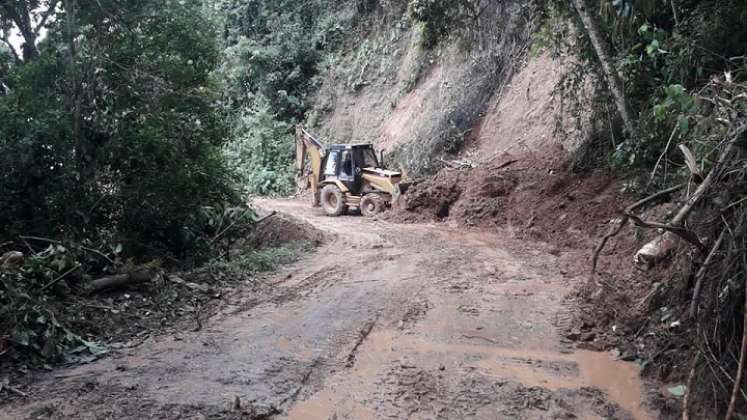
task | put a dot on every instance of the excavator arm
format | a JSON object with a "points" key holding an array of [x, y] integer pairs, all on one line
{"points": [[306, 144]]}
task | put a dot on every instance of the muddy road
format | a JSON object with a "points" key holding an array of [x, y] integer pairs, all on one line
{"points": [[384, 321]]}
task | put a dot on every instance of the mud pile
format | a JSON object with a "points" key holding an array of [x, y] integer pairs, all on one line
{"points": [[280, 230], [539, 198]]}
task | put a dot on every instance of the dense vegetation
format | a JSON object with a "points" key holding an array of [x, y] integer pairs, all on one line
{"points": [[112, 127]]}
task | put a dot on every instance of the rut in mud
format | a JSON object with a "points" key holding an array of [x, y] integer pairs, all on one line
{"points": [[385, 321]]}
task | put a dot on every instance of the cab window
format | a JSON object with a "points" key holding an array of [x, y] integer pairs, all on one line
{"points": [[331, 167], [346, 167]]}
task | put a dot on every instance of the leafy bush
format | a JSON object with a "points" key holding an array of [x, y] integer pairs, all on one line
{"points": [[128, 142]]}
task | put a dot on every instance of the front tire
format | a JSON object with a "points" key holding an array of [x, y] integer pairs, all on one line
{"points": [[372, 204], [333, 201]]}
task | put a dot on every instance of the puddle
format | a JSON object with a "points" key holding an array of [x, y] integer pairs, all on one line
{"points": [[350, 394], [619, 380]]}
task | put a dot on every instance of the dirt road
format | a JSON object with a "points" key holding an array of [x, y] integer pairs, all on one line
{"points": [[383, 322]]}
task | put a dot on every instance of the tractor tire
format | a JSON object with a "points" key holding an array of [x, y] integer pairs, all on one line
{"points": [[333, 201], [372, 204]]}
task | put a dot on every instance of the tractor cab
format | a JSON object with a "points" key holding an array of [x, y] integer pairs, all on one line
{"points": [[347, 163]]}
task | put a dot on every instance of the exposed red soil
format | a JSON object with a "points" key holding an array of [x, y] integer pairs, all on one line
{"points": [[538, 197]]}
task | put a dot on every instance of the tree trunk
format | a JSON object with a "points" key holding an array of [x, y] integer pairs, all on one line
{"points": [[614, 81]]}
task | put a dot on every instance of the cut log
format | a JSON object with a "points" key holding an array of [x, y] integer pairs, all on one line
{"points": [[137, 276]]}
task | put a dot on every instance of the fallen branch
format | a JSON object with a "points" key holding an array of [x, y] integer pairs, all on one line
{"points": [[624, 220], [679, 219], [740, 368], [16, 391], [701, 273], [506, 164], [458, 165], [56, 242], [60, 277], [680, 231], [5, 384]]}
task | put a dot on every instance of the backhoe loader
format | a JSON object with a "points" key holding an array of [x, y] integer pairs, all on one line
{"points": [[345, 176]]}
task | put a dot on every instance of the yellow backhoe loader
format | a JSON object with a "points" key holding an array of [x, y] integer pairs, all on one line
{"points": [[345, 176]]}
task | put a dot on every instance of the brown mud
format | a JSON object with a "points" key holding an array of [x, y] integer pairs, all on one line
{"points": [[385, 321]]}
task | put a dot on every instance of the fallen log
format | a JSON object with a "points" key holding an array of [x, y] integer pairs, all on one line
{"points": [[136, 276]]}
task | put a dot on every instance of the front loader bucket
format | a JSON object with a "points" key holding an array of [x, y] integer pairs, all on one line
{"points": [[398, 200]]}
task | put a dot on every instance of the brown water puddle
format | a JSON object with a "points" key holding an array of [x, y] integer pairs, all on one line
{"points": [[619, 380], [350, 392]]}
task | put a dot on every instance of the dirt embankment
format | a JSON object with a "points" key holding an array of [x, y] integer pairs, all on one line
{"points": [[521, 150]]}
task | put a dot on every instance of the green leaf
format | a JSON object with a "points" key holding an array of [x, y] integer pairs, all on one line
{"points": [[684, 125]]}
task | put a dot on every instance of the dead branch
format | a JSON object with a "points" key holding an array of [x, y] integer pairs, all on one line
{"points": [[16, 391], [680, 231], [740, 368], [56, 242], [60, 277], [506, 164], [676, 225], [458, 164], [692, 164], [690, 381], [664, 153], [724, 157], [701, 274], [624, 220], [227, 229]]}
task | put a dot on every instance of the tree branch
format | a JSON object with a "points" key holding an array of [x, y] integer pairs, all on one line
{"points": [[45, 16], [12, 49], [625, 217]]}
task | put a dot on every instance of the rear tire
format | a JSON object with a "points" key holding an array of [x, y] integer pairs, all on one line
{"points": [[372, 204], [333, 201]]}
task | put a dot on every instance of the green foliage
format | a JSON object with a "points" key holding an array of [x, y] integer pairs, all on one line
{"points": [[28, 317], [249, 262], [262, 153], [439, 18], [272, 53], [664, 51], [273, 49], [128, 142]]}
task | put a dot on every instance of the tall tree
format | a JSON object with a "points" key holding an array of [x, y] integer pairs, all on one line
{"points": [[29, 18], [614, 81]]}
